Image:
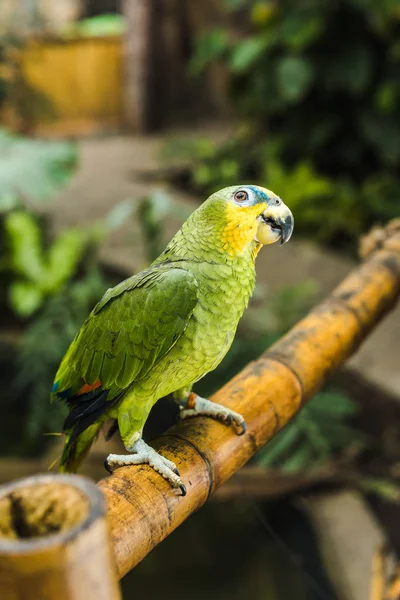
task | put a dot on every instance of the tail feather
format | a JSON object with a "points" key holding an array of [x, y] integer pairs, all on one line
{"points": [[77, 447], [88, 412]]}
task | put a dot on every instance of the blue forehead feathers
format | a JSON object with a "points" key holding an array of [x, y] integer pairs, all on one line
{"points": [[260, 194]]}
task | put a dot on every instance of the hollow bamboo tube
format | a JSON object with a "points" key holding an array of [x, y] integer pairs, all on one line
{"points": [[143, 509], [54, 542]]}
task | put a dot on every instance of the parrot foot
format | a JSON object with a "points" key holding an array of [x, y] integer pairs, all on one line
{"points": [[142, 453], [196, 405]]}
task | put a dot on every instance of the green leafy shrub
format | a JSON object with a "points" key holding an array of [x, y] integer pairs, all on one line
{"points": [[31, 171], [39, 272], [43, 345], [320, 117], [315, 435]]}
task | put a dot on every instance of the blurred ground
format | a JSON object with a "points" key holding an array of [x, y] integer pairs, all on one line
{"points": [[111, 170]]}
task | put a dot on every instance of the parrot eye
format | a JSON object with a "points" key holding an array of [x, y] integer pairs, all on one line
{"points": [[277, 201], [241, 196]]}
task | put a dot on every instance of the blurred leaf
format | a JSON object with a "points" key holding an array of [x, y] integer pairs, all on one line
{"points": [[24, 297], [386, 489], [232, 5], [210, 46], [299, 460], [380, 196], [291, 303], [8, 202], [151, 213], [63, 258], [317, 433], [386, 97], [32, 170], [263, 12], [44, 343], [280, 444], [25, 244], [350, 69], [247, 52], [229, 170], [119, 214], [45, 271], [299, 28], [342, 435], [332, 405], [379, 130], [98, 26], [295, 76]]}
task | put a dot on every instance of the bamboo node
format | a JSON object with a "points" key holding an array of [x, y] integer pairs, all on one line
{"points": [[379, 238]]}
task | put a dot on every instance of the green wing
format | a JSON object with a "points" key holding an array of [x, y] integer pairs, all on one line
{"points": [[132, 327]]}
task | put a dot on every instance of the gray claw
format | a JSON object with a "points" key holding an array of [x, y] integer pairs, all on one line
{"points": [[227, 420], [242, 429], [107, 466]]}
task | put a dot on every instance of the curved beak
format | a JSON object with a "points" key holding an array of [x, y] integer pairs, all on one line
{"points": [[280, 220]]}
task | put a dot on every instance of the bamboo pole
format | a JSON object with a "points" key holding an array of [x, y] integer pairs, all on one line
{"points": [[142, 508], [54, 542]]}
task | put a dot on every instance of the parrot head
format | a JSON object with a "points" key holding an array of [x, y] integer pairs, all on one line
{"points": [[251, 214]]}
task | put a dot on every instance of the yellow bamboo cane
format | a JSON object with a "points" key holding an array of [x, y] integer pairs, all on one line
{"points": [[142, 508]]}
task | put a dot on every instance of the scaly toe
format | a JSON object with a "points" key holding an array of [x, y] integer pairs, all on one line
{"points": [[144, 454]]}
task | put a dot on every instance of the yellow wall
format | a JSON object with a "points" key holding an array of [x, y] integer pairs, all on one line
{"points": [[81, 79]]}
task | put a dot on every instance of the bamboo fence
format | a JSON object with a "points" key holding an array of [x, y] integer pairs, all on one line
{"points": [[142, 509]]}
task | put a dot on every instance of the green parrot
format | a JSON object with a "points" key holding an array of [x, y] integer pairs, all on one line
{"points": [[160, 331]]}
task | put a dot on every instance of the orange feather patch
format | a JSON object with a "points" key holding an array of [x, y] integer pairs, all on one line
{"points": [[89, 387]]}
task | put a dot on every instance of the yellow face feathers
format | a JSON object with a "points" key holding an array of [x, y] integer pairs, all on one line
{"points": [[241, 227], [254, 216]]}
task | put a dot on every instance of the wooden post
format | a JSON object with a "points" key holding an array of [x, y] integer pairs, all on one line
{"points": [[143, 509], [137, 62], [54, 543]]}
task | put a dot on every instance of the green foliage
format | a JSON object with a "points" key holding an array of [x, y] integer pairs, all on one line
{"points": [[43, 346], [98, 26], [319, 118], [317, 433], [151, 212], [211, 46], [31, 171], [39, 272]]}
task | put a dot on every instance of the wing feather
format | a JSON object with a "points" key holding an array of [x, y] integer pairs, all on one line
{"points": [[132, 327]]}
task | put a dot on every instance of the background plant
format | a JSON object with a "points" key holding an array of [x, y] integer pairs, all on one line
{"points": [[291, 66]]}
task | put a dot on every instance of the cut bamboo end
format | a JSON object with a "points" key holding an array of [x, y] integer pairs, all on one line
{"points": [[54, 540]]}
